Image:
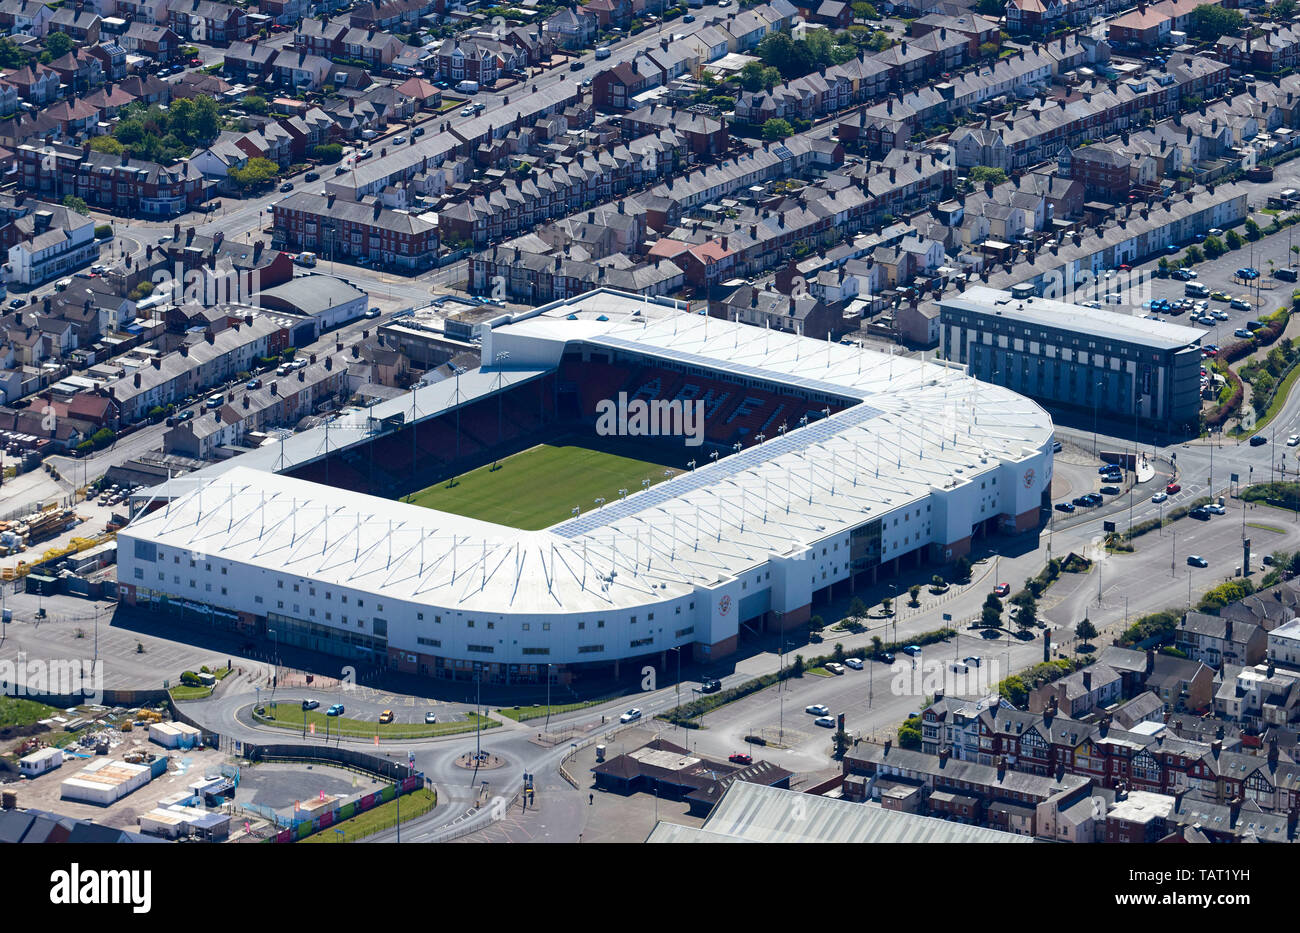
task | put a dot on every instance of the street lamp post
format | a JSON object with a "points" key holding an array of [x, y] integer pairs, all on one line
{"points": [[548, 697]]}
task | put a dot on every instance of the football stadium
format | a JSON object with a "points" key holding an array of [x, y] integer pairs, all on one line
{"points": [[621, 478]]}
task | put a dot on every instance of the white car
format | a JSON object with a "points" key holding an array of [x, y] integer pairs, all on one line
{"points": [[855, 663], [825, 721], [836, 669], [631, 715], [1159, 497], [817, 709], [1293, 440], [1215, 509]]}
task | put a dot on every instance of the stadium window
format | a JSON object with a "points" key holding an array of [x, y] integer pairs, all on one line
{"points": [[360, 603], [328, 616], [581, 626], [176, 580], [311, 591], [345, 620], [223, 571], [279, 584], [546, 626], [139, 573], [420, 616], [692, 605], [329, 595], [345, 598], [257, 599], [600, 623], [492, 625], [437, 620], [295, 587], [527, 627], [311, 612], [176, 559], [279, 604], [380, 607], [677, 611], [207, 567], [469, 623], [207, 587], [191, 563]]}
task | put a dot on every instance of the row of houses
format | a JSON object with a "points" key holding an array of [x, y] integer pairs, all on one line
{"points": [[1038, 130]]}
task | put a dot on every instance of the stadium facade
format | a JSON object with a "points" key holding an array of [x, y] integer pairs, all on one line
{"points": [[836, 466]]}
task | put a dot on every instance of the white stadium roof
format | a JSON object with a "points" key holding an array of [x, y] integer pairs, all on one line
{"points": [[922, 425]]}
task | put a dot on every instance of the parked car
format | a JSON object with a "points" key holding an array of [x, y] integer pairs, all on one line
{"points": [[1215, 509], [310, 704], [430, 718], [287, 186], [836, 669], [372, 313], [740, 758], [1241, 304], [913, 650], [1196, 560], [18, 302], [817, 709], [1200, 512], [855, 663], [254, 384], [688, 18], [1219, 296], [973, 660], [417, 132], [335, 710], [312, 176], [386, 716], [1065, 507], [1110, 490], [886, 657], [631, 715]]}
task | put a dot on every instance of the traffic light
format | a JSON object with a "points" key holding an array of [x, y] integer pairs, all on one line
{"points": [[841, 722]]}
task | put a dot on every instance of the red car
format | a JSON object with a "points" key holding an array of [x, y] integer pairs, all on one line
{"points": [[1173, 488], [1002, 589], [741, 758]]}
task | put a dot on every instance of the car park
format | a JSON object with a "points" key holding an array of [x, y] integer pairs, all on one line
{"points": [[855, 663], [1196, 560], [740, 758], [631, 715], [1065, 506], [817, 709]]}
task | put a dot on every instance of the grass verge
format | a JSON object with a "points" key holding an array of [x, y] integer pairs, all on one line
{"points": [[291, 716], [412, 805], [537, 712]]}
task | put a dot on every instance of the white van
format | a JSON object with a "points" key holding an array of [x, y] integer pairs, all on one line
{"points": [[306, 259], [603, 52], [468, 87]]}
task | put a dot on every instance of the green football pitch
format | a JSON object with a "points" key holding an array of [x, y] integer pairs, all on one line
{"points": [[539, 487]]}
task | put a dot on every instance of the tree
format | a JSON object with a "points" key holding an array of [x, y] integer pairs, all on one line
{"points": [[990, 7], [857, 608], [1212, 22], [1027, 617], [1214, 247], [841, 743], [887, 605], [107, 144], [797, 667], [255, 103], [72, 202], [1234, 239], [816, 624], [980, 174], [914, 594], [863, 10], [989, 50], [777, 129], [11, 56], [838, 651], [1253, 232], [962, 569], [1284, 9], [58, 44], [909, 733], [1085, 631], [991, 613], [256, 173], [877, 646]]}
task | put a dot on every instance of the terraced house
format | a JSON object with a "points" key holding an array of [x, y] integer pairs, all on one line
{"points": [[118, 184], [367, 230], [208, 21]]}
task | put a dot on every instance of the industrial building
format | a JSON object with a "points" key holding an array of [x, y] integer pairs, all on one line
{"points": [[106, 781], [1076, 358], [893, 460]]}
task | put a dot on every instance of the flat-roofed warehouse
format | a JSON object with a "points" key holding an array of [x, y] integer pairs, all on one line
{"points": [[1070, 356]]}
